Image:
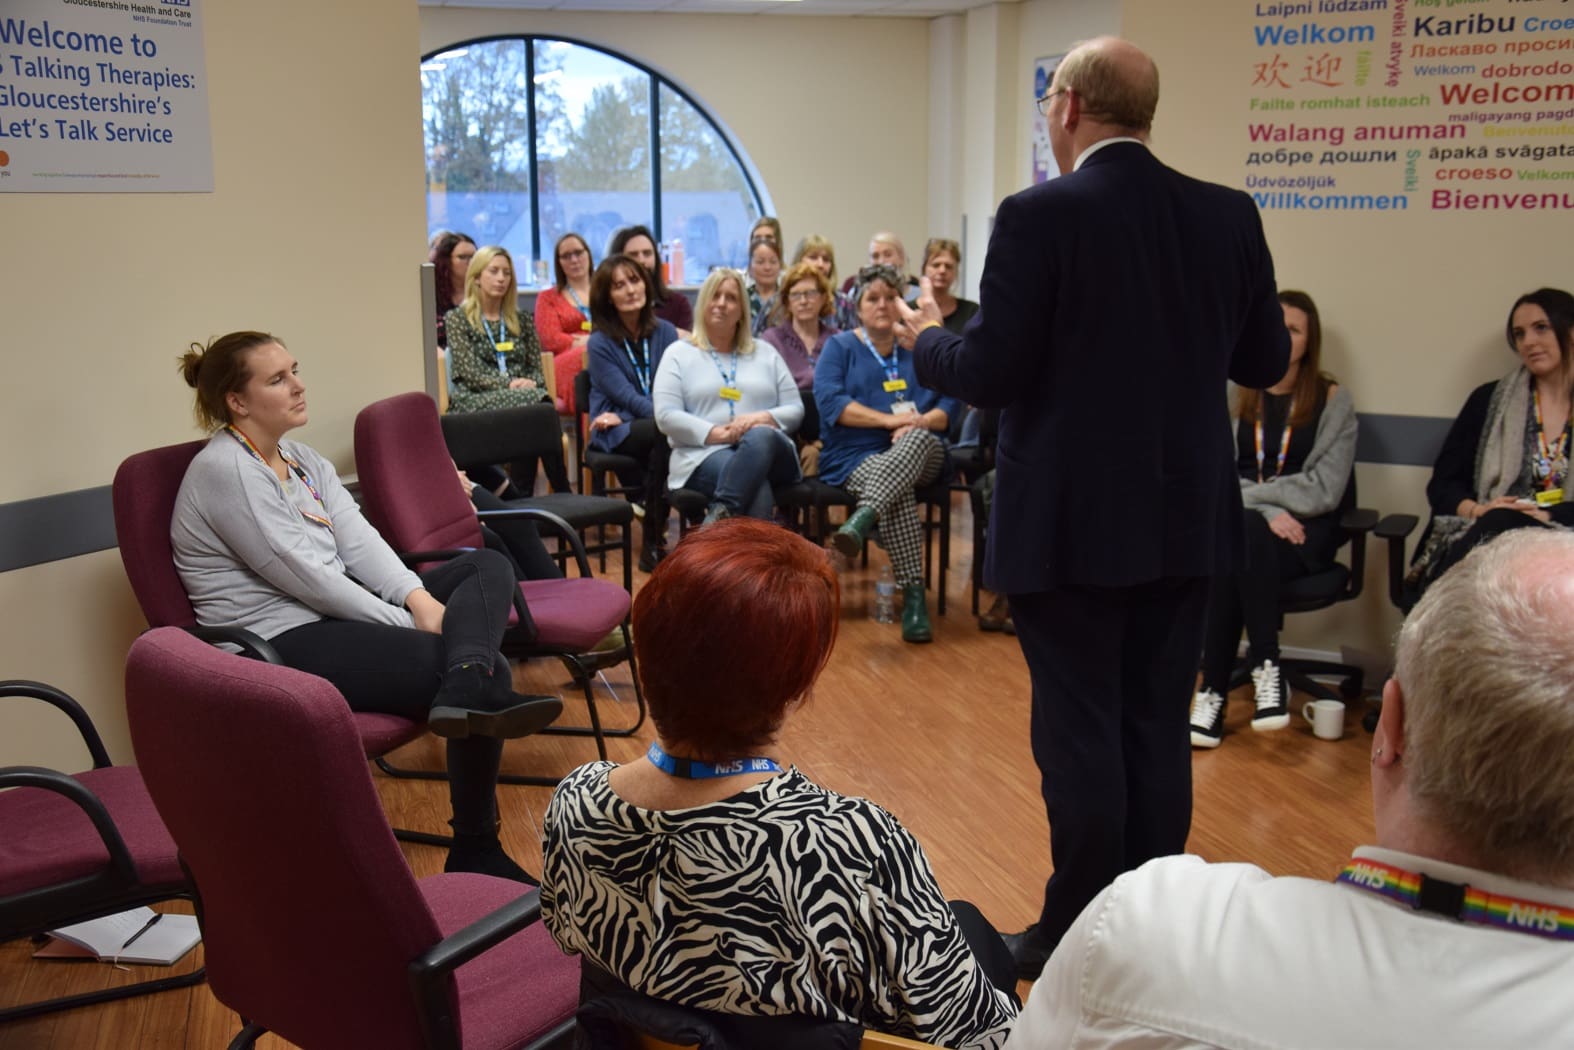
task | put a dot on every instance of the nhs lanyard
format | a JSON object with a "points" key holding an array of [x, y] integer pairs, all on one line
{"points": [[501, 344], [641, 371], [297, 470], [694, 769], [894, 383], [1459, 901], [729, 383]]}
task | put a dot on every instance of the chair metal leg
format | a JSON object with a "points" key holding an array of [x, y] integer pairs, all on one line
{"points": [[107, 995], [404, 773], [247, 1037], [583, 674]]}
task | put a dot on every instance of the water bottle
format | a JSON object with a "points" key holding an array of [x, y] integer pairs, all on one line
{"points": [[675, 276], [885, 596]]}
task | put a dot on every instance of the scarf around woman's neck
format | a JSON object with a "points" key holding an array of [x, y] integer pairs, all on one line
{"points": [[1500, 454]]}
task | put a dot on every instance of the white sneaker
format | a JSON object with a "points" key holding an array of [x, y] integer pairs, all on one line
{"points": [[1207, 719], [1273, 701]]}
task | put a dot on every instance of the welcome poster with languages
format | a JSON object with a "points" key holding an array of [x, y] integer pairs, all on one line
{"points": [[103, 96], [1408, 105]]}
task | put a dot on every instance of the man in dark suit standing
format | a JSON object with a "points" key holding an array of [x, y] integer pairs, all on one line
{"points": [[1115, 302]]}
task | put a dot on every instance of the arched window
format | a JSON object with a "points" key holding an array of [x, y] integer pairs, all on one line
{"points": [[528, 138]]}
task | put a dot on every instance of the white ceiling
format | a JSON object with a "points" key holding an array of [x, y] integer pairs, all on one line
{"points": [[864, 8]]}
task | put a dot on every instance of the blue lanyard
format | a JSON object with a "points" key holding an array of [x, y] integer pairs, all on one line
{"points": [[694, 769], [728, 380], [891, 365], [581, 307], [502, 336], [641, 373]]}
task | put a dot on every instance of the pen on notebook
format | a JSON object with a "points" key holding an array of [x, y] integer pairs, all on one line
{"points": [[145, 928]]}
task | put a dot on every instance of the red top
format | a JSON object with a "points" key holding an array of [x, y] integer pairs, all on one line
{"points": [[558, 321]]}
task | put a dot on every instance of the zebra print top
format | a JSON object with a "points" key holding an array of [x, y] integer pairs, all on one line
{"points": [[784, 899]]}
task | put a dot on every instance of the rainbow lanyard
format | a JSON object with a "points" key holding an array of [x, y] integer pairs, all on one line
{"points": [[694, 769], [1284, 442], [295, 467], [1551, 455], [1459, 901]]}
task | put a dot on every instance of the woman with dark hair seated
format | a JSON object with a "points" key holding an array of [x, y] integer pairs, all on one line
{"points": [[881, 432], [625, 352], [1505, 462], [450, 260], [639, 244], [727, 403], [266, 538], [1296, 445], [710, 874]]}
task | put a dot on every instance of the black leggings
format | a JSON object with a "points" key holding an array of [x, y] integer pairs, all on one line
{"points": [[648, 447], [397, 670], [1251, 598], [520, 536]]}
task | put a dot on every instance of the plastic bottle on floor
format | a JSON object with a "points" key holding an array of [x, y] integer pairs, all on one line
{"points": [[885, 596]]}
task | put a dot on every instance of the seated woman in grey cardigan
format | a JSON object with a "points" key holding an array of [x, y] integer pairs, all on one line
{"points": [[727, 403], [1296, 445], [267, 539]]}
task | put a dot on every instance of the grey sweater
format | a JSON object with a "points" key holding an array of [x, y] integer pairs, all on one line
{"points": [[1319, 485], [686, 394], [250, 558]]}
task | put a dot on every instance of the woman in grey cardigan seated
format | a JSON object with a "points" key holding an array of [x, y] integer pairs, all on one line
{"points": [[1296, 444], [266, 539], [728, 405]]}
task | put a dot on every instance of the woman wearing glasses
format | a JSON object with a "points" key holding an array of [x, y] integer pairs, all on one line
{"points": [[802, 334], [881, 432], [728, 405], [563, 312]]}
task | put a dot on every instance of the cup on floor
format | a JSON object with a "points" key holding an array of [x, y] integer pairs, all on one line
{"points": [[1326, 717]]}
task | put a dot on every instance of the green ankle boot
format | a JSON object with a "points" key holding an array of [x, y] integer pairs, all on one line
{"points": [[848, 541], [915, 614]]}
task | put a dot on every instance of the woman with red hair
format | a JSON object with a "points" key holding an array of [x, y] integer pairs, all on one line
{"points": [[712, 875]]}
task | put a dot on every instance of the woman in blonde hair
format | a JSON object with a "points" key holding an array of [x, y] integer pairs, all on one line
{"points": [[728, 405], [266, 538], [495, 356]]}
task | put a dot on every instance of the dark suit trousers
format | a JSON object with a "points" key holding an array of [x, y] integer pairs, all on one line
{"points": [[1113, 670]]}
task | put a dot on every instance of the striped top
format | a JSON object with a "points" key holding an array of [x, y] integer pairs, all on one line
{"points": [[786, 898]]}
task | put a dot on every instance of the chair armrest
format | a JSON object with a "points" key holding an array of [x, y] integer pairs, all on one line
{"points": [[429, 971], [1361, 519], [1396, 529], [55, 698], [1397, 526], [252, 645], [563, 529], [120, 864]]}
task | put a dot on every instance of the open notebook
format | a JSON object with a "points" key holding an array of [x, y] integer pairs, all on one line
{"points": [[136, 936]]}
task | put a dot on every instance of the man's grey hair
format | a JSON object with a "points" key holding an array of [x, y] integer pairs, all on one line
{"points": [[1483, 661]]}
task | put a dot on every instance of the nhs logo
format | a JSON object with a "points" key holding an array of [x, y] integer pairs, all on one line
{"points": [[175, 3]]}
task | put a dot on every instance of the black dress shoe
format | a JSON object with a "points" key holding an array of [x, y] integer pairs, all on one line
{"points": [[1027, 953], [650, 557]]}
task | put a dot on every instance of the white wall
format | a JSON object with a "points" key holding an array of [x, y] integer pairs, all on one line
{"points": [[315, 232]]}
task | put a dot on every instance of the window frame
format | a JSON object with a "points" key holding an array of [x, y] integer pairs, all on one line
{"points": [[658, 82]]}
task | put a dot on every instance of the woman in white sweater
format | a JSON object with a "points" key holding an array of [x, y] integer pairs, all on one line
{"points": [[267, 539], [727, 405]]}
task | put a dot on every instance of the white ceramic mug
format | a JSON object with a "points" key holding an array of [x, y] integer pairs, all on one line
{"points": [[1326, 717]]}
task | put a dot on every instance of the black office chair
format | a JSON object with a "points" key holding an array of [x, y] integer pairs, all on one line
{"points": [[1339, 582], [504, 435], [595, 464]]}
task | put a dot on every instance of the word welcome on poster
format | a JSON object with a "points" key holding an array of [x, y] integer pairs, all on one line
{"points": [[1442, 106], [103, 96]]}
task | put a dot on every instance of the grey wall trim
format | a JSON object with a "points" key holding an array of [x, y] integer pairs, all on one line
{"points": [[1401, 441], [33, 531]]}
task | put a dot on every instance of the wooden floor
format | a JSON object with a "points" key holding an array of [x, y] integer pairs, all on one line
{"points": [[938, 734]]}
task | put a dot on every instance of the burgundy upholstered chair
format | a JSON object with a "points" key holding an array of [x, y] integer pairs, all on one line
{"points": [[74, 848], [144, 493], [412, 494], [315, 928]]}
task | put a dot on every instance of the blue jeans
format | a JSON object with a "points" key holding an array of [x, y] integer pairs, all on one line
{"points": [[740, 476]]}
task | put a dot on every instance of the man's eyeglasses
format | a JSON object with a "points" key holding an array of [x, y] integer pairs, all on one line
{"points": [[1043, 103]]}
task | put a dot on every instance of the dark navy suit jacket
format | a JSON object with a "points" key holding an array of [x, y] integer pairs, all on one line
{"points": [[1115, 302]]}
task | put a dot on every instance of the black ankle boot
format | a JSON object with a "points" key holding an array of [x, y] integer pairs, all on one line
{"points": [[483, 855], [474, 700]]}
